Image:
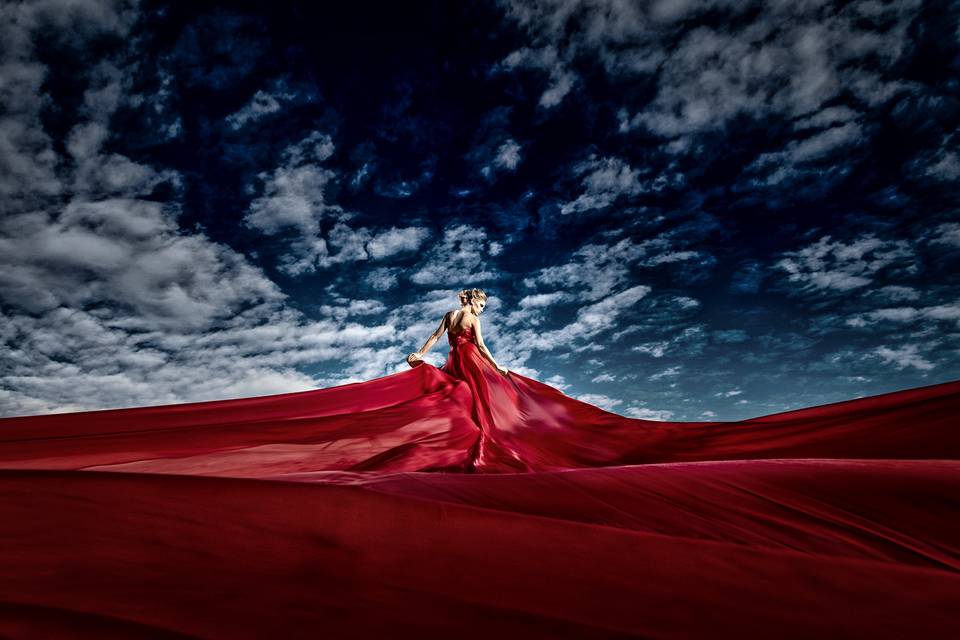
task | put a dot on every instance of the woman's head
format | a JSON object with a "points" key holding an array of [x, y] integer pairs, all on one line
{"points": [[476, 298]]}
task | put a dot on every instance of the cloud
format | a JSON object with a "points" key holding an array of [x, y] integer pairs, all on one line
{"points": [[788, 60], [728, 394], [107, 301], [706, 77], [769, 57], [261, 104], [494, 150], [558, 381], [503, 158], [545, 59], [895, 293], [128, 253], [603, 377], [539, 300], [596, 268], [803, 157], [600, 400], [591, 319], [835, 265], [28, 157], [904, 356], [266, 102], [690, 341], [460, 255], [294, 197], [530, 308], [605, 180], [669, 372], [645, 413], [946, 311], [353, 308], [383, 278], [294, 194], [729, 336], [827, 117], [396, 240], [947, 233], [508, 155]]}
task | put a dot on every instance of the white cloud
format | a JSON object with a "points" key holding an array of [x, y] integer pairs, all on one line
{"points": [[591, 319], [106, 300], [383, 278], [946, 311], [595, 269], [548, 60], [903, 357], [764, 67], [396, 240], [644, 413], [795, 158], [604, 377], [28, 159], [294, 195], [669, 372], [540, 300], [460, 255], [605, 180], [939, 164], [947, 233], [508, 155], [728, 394], [262, 103], [353, 308], [128, 253], [843, 266], [762, 61], [557, 381], [600, 400], [896, 293], [828, 116], [689, 341]]}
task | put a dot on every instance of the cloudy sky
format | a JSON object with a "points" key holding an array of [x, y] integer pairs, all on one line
{"points": [[680, 210]]}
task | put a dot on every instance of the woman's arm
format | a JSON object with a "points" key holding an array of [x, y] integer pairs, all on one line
{"points": [[432, 340], [483, 347]]}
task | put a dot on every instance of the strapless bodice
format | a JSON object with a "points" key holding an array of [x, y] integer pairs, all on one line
{"points": [[464, 335]]}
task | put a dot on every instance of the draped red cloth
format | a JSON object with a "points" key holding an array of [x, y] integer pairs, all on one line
{"points": [[460, 502]]}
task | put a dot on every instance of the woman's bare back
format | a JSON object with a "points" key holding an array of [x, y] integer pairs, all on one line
{"points": [[460, 320]]}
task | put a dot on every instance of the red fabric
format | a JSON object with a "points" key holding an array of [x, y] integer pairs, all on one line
{"points": [[459, 502]]}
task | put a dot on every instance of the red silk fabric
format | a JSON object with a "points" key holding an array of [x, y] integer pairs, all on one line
{"points": [[459, 502]]}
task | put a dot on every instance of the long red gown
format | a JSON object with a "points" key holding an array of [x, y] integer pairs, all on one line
{"points": [[459, 502]]}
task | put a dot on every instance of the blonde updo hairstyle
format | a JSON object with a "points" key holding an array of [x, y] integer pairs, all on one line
{"points": [[469, 295]]}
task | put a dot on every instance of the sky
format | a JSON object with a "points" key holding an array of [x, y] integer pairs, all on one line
{"points": [[679, 210]]}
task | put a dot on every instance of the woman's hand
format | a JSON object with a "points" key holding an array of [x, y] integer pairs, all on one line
{"points": [[414, 359], [502, 369]]}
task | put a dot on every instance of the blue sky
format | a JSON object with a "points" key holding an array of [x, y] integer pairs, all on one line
{"points": [[683, 211]]}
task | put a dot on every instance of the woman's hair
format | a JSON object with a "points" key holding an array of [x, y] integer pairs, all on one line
{"points": [[467, 295]]}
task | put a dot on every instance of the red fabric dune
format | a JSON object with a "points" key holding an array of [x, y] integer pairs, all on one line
{"points": [[459, 502]]}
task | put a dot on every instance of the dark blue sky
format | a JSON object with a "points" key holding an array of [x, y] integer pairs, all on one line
{"points": [[679, 210]]}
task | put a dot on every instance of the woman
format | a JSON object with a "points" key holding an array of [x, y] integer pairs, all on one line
{"points": [[522, 424], [465, 325], [495, 398]]}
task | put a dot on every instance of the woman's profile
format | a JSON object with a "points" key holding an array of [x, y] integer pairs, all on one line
{"points": [[465, 334]]}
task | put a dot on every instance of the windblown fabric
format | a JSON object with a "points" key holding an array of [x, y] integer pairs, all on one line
{"points": [[458, 502]]}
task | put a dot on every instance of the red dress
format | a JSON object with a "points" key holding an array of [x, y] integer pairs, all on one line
{"points": [[832, 521], [496, 399]]}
